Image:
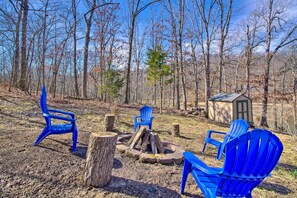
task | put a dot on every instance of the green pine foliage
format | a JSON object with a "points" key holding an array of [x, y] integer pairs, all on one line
{"points": [[114, 83], [156, 60]]}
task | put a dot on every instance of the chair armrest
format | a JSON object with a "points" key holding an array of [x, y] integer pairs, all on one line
{"points": [[209, 132], [58, 117], [135, 118], [62, 112], [198, 164]]}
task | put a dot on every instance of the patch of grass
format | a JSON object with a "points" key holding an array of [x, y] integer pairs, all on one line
{"points": [[90, 118], [294, 173]]}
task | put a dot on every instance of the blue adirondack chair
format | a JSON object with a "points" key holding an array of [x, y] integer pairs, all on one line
{"points": [[237, 127], [51, 129], [249, 159], [145, 118]]}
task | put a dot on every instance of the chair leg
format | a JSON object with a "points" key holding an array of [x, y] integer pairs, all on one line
{"points": [[135, 127], [74, 138], [43, 135], [186, 171], [204, 146], [220, 152]]}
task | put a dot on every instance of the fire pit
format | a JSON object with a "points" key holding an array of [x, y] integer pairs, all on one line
{"points": [[147, 148]]}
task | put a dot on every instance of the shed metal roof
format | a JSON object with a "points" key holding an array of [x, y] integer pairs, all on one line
{"points": [[225, 97]]}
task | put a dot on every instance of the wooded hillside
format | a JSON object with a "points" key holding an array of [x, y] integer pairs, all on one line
{"points": [[99, 49]]}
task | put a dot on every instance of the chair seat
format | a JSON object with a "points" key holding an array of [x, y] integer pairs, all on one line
{"points": [[62, 128], [143, 123]]}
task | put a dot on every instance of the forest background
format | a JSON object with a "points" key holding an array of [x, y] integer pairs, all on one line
{"points": [[111, 51]]}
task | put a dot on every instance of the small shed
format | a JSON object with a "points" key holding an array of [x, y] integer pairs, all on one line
{"points": [[226, 107]]}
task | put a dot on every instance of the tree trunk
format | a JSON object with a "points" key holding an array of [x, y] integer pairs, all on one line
{"points": [[17, 50], [74, 48], [56, 68], [195, 69], [86, 50], [100, 156], [131, 34], [294, 102], [224, 29], [44, 42], [248, 62], [155, 94], [221, 62], [282, 104], [207, 78], [268, 56], [177, 74], [137, 78], [181, 4], [274, 101], [24, 64], [161, 95]]}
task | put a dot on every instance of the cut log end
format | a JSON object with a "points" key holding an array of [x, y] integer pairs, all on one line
{"points": [[109, 122], [104, 134], [175, 130]]}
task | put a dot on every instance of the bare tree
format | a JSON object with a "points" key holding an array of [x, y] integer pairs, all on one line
{"points": [[292, 64], [88, 19], [135, 10], [138, 47], [225, 18], [206, 17], [175, 33], [181, 5], [275, 21], [16, 64]]}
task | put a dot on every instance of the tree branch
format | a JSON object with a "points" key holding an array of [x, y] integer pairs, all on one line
{"points": [[144, 7], [98, 6]]}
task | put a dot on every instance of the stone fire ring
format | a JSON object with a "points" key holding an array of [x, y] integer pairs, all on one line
{"points": [[166, 159]]}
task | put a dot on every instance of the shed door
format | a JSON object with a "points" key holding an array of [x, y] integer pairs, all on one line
{"points": [[242, 110]]}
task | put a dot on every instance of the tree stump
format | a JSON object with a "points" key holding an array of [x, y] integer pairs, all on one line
{"points": [[175, 130], [109, 122], [100, 156]]}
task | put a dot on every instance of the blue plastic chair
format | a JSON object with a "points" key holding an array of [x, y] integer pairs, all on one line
{"points": [[237, 127], [249, 159], [51, 129], [145, 118]]}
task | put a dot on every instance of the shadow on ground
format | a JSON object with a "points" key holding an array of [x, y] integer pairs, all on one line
{"points": [[275, 187], [287, 167], [137, 189]]}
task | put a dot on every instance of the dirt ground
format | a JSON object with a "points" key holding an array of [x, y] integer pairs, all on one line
{"points": [[52, 170]]}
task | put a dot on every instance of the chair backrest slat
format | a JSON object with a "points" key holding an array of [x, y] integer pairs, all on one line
{"points": [[43, 106], [146, 113], [237, 128]]}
